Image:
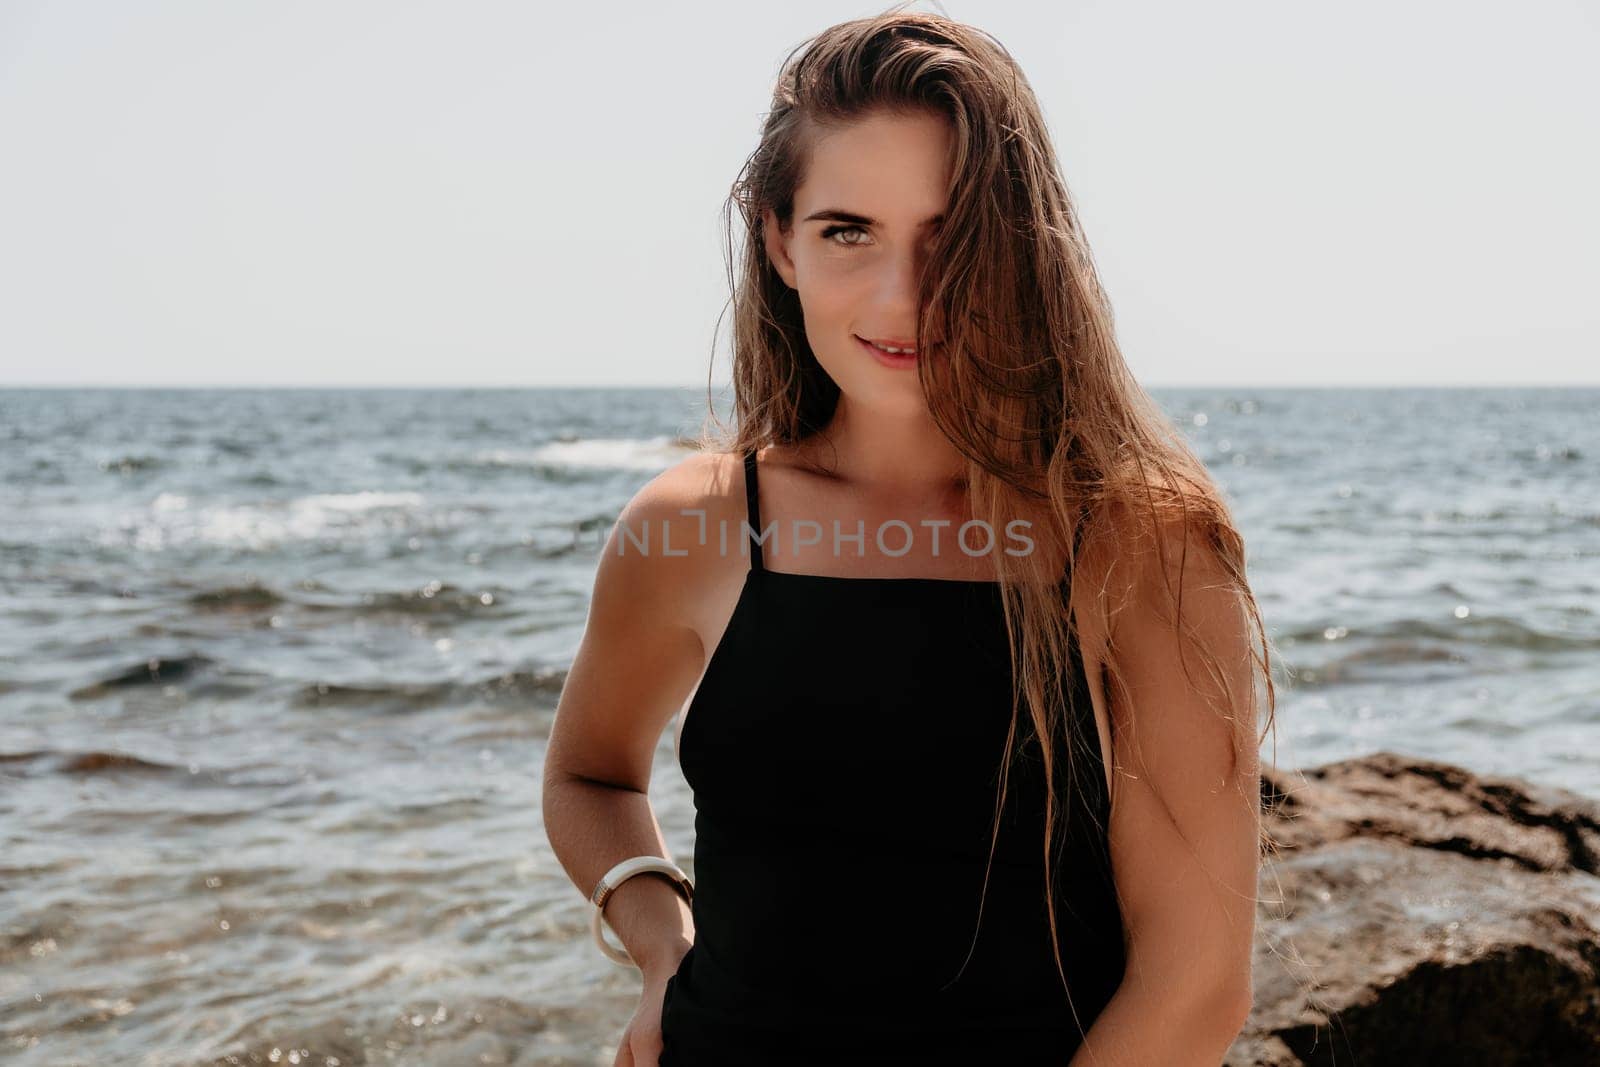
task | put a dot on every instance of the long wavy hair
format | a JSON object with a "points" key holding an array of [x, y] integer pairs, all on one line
{"points": [[1029, 384]]}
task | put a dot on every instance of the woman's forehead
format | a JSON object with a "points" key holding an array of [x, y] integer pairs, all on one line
{"points": [[890, 170]]}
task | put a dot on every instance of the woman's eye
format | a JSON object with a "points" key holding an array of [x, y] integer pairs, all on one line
{"points": [[828, 232]]}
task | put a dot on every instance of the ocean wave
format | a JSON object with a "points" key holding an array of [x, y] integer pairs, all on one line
{"points": [[516, 687], [580, 456], [173, 519], [154, 670], [87, 762]]}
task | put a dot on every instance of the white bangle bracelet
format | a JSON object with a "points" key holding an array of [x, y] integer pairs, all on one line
{"points": [[615, 877]]}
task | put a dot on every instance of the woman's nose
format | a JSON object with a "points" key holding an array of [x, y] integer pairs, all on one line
{"points": [[897, 284]]}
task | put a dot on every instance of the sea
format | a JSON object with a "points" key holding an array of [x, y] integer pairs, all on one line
{"points": [[279, 667]]}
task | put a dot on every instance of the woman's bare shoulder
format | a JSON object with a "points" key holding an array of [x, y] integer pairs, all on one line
{"points": [[1133, 563], [642, 644], [674, 536], [1114, 542]]}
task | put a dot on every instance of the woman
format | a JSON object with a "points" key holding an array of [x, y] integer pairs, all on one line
{"points": [[961, 624]]}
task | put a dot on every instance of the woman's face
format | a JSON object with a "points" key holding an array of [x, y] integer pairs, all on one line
{"points": [[864, 216]]}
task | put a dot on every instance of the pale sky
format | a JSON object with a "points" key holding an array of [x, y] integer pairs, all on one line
{"points": [[392, 193]]}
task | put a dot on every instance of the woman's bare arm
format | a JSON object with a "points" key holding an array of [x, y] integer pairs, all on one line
{"points": [[638, 659], [1185, 817]]}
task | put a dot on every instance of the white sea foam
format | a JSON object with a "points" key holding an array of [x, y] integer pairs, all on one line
{"points": [[171, 520], [594, 453]]}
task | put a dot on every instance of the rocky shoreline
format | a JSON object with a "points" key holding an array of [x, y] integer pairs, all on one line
{"points": [[1416, 912]]}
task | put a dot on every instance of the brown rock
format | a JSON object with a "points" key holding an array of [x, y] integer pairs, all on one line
{"points": [[1419, 913]]}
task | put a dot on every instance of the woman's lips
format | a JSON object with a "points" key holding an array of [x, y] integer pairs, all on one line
{"points": [[889, 359]]}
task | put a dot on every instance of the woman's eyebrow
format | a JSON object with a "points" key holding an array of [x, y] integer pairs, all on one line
{"points": [[833, 214]]}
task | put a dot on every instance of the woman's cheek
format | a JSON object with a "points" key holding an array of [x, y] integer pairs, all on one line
{"points": [[831, 294]]}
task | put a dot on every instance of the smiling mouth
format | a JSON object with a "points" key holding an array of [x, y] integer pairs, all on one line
{"points": [[900, 361], [891, 347]]}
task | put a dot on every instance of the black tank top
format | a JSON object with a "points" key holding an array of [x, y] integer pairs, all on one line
{"points": [[843, 749]]}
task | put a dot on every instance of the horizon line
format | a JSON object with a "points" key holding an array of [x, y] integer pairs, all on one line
{"points": [[354, 386]]}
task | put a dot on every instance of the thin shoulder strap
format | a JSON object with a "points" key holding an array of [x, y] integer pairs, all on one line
{"points": [[752, 499]]}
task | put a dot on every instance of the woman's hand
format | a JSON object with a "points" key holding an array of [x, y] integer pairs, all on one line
{"points": [[641, 1040]]}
